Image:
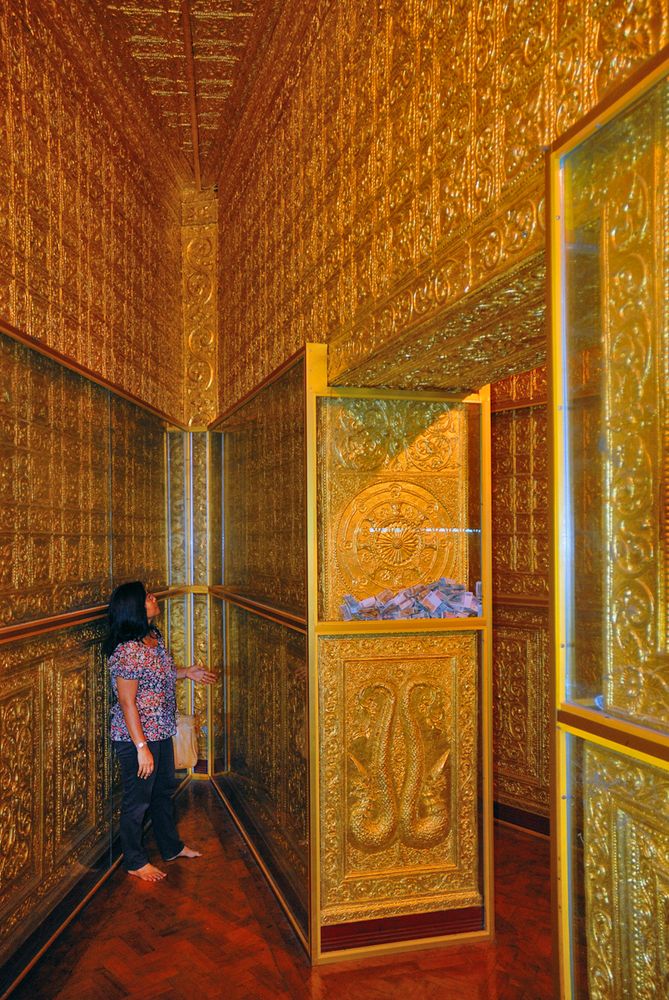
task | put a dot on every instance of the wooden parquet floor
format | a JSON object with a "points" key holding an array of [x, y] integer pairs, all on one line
{"points": [[213, 931]]}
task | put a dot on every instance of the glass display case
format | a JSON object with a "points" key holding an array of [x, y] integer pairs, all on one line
{"points": [[356, 588], [610, 357]]}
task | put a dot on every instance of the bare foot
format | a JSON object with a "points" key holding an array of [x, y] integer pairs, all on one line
{"points": [[186, 852], [148, 873]]}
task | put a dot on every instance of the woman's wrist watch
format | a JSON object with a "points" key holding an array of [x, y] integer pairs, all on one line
{"points": [[140, 745]]}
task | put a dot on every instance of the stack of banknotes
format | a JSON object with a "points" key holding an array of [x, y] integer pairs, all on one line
{"points": [[442, 599]]}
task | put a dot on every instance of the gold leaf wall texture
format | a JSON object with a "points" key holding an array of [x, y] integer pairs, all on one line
{"points": [[90, 251], [265, 503], [400, 169], [520, 510], [398, 745]]}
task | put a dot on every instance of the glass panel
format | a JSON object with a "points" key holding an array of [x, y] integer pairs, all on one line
{"points": [[399, 509], [55, 509], [267, 784], [616, 240], [619, 863], [265, 495]]}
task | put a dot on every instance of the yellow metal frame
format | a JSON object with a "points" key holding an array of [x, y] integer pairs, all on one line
{"points": [[624, 738]]}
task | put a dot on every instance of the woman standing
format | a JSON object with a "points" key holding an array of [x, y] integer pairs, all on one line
{"points": [[143, 722]]}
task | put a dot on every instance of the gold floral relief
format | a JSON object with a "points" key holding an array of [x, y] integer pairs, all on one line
{"points": [[217, 666], [201, 627], [395, 186], [264, 478], [199, 237], [54, 492], [392, 493], [626, 864], [521, 716], [90, 253], [267, 781], [54, 729], [398, 751]]}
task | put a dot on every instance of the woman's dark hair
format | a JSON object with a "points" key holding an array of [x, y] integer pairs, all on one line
{"points": [[127, 615]]}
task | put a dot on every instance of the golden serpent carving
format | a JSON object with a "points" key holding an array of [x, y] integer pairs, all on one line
{"points": [[398, 775], [372, 820]]}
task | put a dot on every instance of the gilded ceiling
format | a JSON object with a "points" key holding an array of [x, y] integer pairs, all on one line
{"points": [[187, 52]]}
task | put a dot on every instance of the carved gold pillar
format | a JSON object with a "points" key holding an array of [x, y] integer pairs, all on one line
{"points": [[199, 237]]}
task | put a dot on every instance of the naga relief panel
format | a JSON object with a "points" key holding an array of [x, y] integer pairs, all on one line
{"points": [[55, 772], [267, 780], [399, 796], [392, 497], [626, 875], [264, 479], [90, 251], [397, 172], [54, 488]]}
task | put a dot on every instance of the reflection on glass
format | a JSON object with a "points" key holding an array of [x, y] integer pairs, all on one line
{"points": [[399, 509], [615, 363], [619, 865], [267, 783], [265, 495]]}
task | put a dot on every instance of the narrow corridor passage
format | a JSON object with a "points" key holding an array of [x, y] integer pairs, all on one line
{"points": [[213, 931]]}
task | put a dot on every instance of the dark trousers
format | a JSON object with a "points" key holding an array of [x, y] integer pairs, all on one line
{"points": [[152, 795]]}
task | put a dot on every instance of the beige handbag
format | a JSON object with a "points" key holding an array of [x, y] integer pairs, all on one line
{"points": [[185, 741]]}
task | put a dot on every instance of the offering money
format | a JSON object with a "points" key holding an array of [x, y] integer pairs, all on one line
{"points": [[442, 599]]}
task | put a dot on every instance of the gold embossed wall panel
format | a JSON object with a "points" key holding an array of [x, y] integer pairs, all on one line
{"points": [[54, 489], [521, 708], [392, 497], [399, 170], [139, 495], [520, 502], [89, 212], [398, 779], [55, 763], [267, 782], [265, 495]]}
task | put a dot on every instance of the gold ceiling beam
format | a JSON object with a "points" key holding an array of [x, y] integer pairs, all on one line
{"points": [[190, 73]]}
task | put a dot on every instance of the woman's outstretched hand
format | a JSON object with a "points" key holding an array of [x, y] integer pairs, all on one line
{"points": [[199, 674]]}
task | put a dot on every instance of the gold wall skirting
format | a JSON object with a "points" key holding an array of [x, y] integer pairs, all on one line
{"points": [[520, 511], [398, 745], [90, 246], [397, 172], [55, 772]]}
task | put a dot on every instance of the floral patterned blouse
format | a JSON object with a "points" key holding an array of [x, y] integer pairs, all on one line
{"points": [[156, 692]]}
